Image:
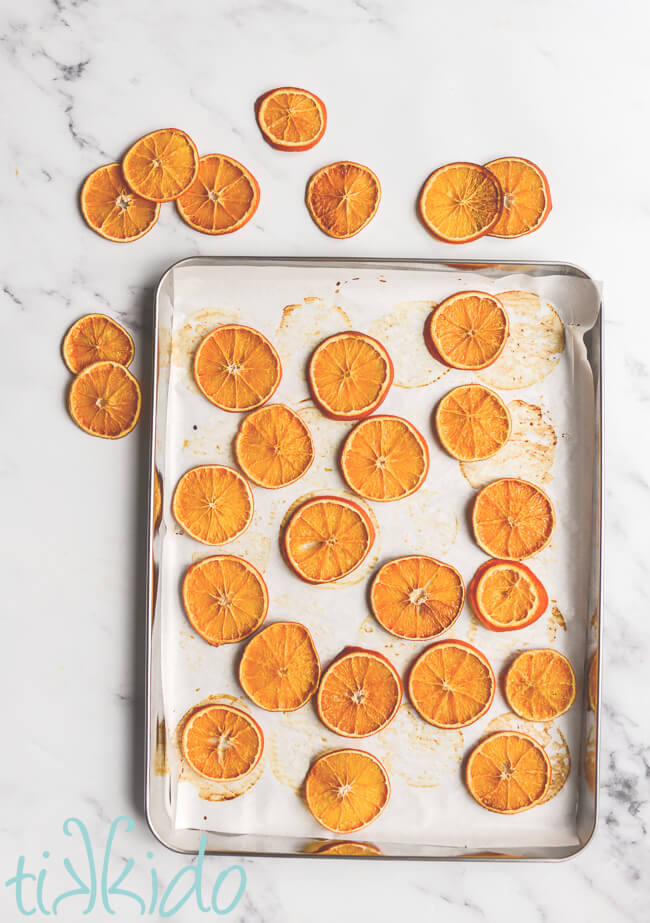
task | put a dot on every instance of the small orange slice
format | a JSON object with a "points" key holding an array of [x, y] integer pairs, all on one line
{"points": [[237, 368], [526, 196], [94, 338], [460, 202], [343, 198], [508, 772], [112, 209], [225, 598], [359, 693], [349, 375], [274, 447], [221, 742], [213, 504], [540, 685], [327, 538], [223, 197], [279, 669], [161, 165], [342, 848], [472, 422], [417, 597], [451, 684], [467, 330], [104, 400], [592, 682], [506, 595], [346, 790], [291, 119], [512, 519], [385, 458]]}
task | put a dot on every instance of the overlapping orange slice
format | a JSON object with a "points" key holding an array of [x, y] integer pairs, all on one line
{"points": [[346, 790], [460, 202], [112, 209], [384, 458], [94, 338], [104, 400], [223, 197], [161, 165], [526, 196]]}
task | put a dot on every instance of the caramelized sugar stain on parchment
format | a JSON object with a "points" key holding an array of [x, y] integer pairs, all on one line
{"points": [[549, 735], [302, 327], [294, 743], [424, 524], [186, 339], [421, 754], [328, 436], [160, 761], [590, 759], [402, 333], [373, 637], [556, 622]]}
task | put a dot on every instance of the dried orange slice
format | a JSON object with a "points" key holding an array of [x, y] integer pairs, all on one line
{"points": [[223, 197], [346, 790], [161, 165], [512, 518], [592, 682], [279, 669], [451, 684], [342, 848], [104, 400], [213, 504], [343, 198], [385, 458], [274, 447], [472, 422], [291, 119], [540, 685], [327, 538], [526, 196], [112, 209], [237, 368], [508, 772], [221, 742], [96, 337], [157, 499], [417, 597], [506, 595], [359, 693], [349, 375], [460, 202], [225, 598], [467, 330]]}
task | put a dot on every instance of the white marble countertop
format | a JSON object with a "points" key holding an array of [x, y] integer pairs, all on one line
{"points": [[408, 86]]}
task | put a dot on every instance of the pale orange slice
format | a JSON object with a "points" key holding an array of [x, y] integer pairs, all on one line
{"points": [[291, 119], [506, 595], [104, 400], [385, 458], [359, 694], [349, 848], [467, 331], [222, 743], [451, 684], [223, 197], [526, 196], [343, 198], [96, 337], [472, 422], [540, 685], [346, 790], [592, 683], [512, 519], [349, 375], [508, 772], [279, 669], [225, 598], [213, 504], [460, 202], [112, 209], [161, 165], [274, 447], [237, 368]]}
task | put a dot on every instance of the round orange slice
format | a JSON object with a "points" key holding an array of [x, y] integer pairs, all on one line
{"points": [[104, 400], [237, 368], [327, 538], [161, 165], [385, 458], [359, 693], [349, 375], [467, 331], [213, 504], [223, 197], [225, 598], [472, 422], [112, 209], [346, 790], [274, 447], [460, 202], [342, 848], [451, 684], [343, 198], [96, 337], [508, 772], [512, 519], [291, 119], [526, 196], [506, 595], [540, 685], [592, 682], [417, 597], [279, 669], [222, 743]]}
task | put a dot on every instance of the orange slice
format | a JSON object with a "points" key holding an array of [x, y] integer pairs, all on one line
{"points": [[343, 198], [104, 400], [472, 422], [417, 597], [291, 119], [467, 330], [157, 499], [526, 196], [237, 368], [327, 538], [508, 772], [349, 375], [460, 202], [221, 742], [223, 197], [346, 790], [385, 458], [540, 685], [359, 694], [213, 504], [506, 595], [451, 684], [512, 519], [112, 210], [94, 338], [339, 848], [225, 598], [160, 166], [274, 447], [592, 682], [279, 669]]}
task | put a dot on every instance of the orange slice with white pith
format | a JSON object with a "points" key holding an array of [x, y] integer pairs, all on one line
{"points": [[291, 119], [451, 684], [512, 519], [237, 368], [506, 595], [384, 458], [359, 693], [222, 743], [346, 790], [508, 772], [350, 375], [526, 196], [225, 598], [213, 504]]}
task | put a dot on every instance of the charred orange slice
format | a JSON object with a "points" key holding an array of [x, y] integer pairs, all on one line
{"points": [[349, 375], [274, 447], [213, 504], [472, 422], [346, 790], [359, 693], [161, 165], [291, 119], [512, 519], [225, 598], [112, 209], [342, 848], [384, 458], [508, 772], [343, 198], [222, 743], [223, 197], [540, 685], [104, 400], [460, 202], [451, 684], [237, 368], [279, 669], [506, 595], [467, 331], [94, 338], [526, 196]]}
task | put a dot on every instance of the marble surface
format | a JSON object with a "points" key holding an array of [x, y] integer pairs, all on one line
{"points": [[409, 86]]}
